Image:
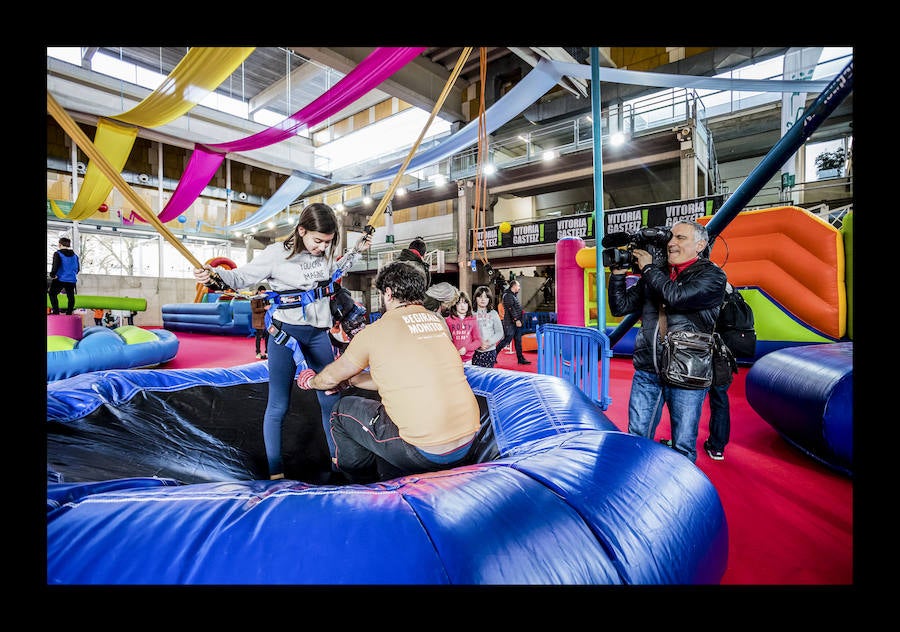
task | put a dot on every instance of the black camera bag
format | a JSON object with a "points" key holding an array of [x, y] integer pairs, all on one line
{"points": [[687, 359], [736, 325]]}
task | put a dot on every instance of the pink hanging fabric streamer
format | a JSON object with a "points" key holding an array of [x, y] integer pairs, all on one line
{"points": [[205, 160]]}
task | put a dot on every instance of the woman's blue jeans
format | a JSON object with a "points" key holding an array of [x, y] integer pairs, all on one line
{"points": [[318, 351], [649, 394]]}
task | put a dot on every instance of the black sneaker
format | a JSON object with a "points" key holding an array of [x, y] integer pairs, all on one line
{"points": [[715, 455], [524, 361]]}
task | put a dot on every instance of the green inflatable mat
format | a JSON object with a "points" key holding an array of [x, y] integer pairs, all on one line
{"points": [[135, 335], [60, 343]]}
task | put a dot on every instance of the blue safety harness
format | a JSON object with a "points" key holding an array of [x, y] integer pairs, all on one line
{"points": [[290, 299]]}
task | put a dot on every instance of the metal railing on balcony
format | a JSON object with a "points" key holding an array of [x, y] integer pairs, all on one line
{"points": [[635, 118], [641, 116]]}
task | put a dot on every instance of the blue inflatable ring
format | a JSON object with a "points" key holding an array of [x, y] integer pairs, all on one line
{"points": [[565, 498]]}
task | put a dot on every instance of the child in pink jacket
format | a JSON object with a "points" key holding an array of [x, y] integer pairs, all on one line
{"points": [[464, 328]]}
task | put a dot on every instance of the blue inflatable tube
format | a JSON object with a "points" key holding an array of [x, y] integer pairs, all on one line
{"points": [[555, 495], [806, 394], [231, 318], [103, 348]]}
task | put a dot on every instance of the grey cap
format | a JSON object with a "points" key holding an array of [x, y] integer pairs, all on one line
{"points": [[443, 292]]}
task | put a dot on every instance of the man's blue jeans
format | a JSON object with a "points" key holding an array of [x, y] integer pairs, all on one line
{"points": [[649, 394]]}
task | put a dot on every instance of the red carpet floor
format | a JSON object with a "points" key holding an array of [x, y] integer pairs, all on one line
{"points": [[790, 519]]}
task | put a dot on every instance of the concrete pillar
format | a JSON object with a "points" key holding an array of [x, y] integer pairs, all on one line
{"points": [[689, 163]]}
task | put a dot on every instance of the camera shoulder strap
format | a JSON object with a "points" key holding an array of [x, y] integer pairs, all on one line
{"points": [[660, 335]]}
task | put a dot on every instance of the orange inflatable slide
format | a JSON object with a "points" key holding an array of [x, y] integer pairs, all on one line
{"points": [[794, 256]]}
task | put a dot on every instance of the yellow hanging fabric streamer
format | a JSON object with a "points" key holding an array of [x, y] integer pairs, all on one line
{"points": [[61, 214], [115, 142], [199, 72]]}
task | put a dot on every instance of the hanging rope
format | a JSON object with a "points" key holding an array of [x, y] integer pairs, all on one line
{"points": [[382, 204], [481, 194]]}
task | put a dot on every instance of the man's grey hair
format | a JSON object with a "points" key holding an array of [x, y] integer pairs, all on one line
{"points": [[700, 232]]}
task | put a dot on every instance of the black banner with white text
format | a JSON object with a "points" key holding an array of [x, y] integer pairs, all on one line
{"points": [[622, 220]]}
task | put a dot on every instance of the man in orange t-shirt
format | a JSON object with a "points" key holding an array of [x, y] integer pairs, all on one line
{"points": [[427, 416]]}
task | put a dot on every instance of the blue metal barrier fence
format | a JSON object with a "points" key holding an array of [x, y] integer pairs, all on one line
{"points": [[576, 354]]}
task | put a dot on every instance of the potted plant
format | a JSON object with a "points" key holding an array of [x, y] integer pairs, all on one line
{"points": [[830, 164]]}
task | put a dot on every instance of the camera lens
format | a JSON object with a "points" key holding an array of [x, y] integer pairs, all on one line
{"points": [[616, 258]]}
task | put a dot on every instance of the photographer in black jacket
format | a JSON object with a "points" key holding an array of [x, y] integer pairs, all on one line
{"points": [[689, 288]]}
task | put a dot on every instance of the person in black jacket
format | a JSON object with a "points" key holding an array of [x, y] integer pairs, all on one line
{"points": [[63, 276], [512, 321], [416, 254], [719, 404], [689, 289]]}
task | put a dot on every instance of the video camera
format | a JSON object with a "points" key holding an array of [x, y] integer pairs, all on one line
{"points": [[617, 253]]}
